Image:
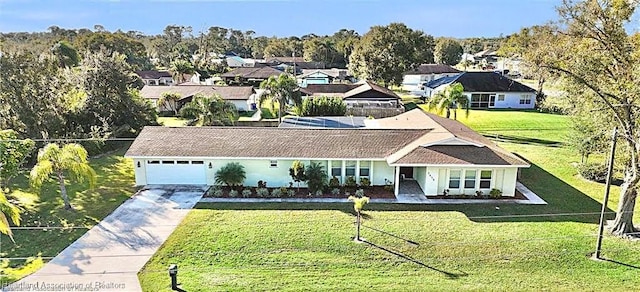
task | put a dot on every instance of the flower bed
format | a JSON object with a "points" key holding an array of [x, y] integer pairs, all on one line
{"points": [[373, 192], [518, 196]]}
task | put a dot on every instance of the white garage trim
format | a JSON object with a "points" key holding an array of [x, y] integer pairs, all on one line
{"points": [[175, 172]]}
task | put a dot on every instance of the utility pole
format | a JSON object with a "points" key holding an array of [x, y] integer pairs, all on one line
{"points": [[606, 193]]}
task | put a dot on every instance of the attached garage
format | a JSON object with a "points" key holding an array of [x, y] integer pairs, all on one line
{"points": [[175, 172]]}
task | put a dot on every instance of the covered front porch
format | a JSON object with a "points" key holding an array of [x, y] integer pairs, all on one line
{"points": [[421, 181]]}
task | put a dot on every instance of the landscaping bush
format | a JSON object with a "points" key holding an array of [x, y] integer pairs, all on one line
{"points": [[323, 106], [246, 193], [365, 182], [319, 193], [277, 193], [291, 193], [334, 182], [360, 193], [335, 191], [216, 192], [233, 193], [316, 177], [232, 174], [495, 193], [350, 182], [262, 184], [593, 171], [262, 192]]}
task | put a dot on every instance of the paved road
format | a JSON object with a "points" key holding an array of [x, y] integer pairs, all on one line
{"points": [[109, 256]]}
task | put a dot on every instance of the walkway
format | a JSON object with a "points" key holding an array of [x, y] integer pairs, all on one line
{"points": [[109, 256]]}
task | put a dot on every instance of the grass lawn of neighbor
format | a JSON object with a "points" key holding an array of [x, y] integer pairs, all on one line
{"points": [[47, 228], [480, 247]]}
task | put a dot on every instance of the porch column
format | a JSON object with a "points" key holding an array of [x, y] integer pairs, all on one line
{"points": [[342, 174], [357, 174], [371, 172], [329, 166], [397, 181]]}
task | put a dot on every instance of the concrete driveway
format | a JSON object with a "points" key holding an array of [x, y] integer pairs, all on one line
{"points": [[109, 256]]}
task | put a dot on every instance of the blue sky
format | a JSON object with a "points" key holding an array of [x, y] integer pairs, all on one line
{"points": [[454, 18]]}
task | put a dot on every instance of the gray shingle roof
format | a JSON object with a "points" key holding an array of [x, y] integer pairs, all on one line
{"points": [[483, 82], [270, 142], [432, 69], [252, 72], [153, 74]]}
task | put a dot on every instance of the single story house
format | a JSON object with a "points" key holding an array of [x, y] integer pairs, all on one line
{"points": [[488, 90], [243, 97], [249, 75], [324, 76], [365, 94], [414, 80], [155, 77], [299, 62], [440, 155]]}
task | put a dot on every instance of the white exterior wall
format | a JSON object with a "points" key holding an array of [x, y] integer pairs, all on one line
{"points": [[256, 170], [420, 175], [432, 180], [503, 179], [382, 171], [512, 100], [241, 105], [140, 172]]}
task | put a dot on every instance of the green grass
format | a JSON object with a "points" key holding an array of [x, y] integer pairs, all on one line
{"points": [[289, 247], [172, 121], [45, 209]]}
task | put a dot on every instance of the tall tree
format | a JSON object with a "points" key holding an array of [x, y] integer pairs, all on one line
{"points": [[13, 154], [113, 101], [281, 89], [385, 52], [345, 41], [529, 45], [32, 95], [449, 99], [134, 50], [600, 63], [61, 162], [67, 55], [180, 68], [210, 111], [448, 51], [169, 100]]}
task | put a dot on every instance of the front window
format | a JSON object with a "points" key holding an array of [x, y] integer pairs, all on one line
{"points": [[336, 169], [364, 169], [454, 179], [485, 179], [470, 179], [350, 168]]}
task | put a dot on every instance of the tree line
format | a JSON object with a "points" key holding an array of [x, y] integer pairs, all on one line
{"points": [[368, 55]]}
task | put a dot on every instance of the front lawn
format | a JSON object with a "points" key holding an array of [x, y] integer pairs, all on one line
{"points": [[480, 247], [172, 121], [46, 228]]}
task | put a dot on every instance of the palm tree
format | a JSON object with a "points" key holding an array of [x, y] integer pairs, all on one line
{"points": [[451, 98], [358, 205], [179, 68], [210, 110], [170, 101], [232, 174], [8, 211], [54, 160], [281, 89]]}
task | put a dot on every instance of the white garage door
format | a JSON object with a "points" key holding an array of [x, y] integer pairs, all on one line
{"points": [[175, 172]]}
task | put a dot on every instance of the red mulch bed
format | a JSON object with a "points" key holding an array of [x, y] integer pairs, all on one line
{"points": [[518, 196], [373, 192]]}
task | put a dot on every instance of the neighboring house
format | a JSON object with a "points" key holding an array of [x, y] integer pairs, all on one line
{"points": [[324, 76], [243, 97], [488, 90], [365, 94], [487, 59], [236, 61], [414, 80], [249, 76], [413, 149], [284, 62], [154, 77]]}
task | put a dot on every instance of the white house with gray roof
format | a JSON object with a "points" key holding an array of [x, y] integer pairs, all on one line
{"points": [[441, 155]]}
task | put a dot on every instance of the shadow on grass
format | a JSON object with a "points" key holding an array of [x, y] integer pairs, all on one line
{"points": [[522, 140], [620, 263], [565, 204], [415, 261]]}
